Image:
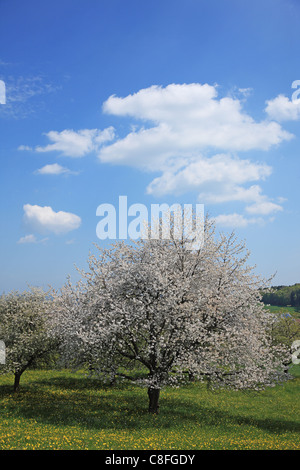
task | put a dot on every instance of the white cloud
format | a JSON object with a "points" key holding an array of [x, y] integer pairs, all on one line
{"points": [[219, 178], [229, 192], [261, 208], [236, 220], [24, 147], [264, 207], [31, 239], [183, 121], [45, 219], [76, 144], [183, 128], [28, 239], [25, 95], [283, 109], [245, 92], [53, 169]]}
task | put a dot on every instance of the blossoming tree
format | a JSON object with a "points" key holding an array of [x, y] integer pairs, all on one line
{"points": [[23, 330], [174, 312]]}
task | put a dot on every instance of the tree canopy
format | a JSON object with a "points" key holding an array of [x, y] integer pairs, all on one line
{"points": [[24, 330]]}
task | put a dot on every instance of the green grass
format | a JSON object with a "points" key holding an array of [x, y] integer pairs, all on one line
{"points": [[64, 410], [294, 312]]}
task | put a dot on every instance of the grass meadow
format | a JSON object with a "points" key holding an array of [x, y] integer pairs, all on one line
{"points": [[294, 312], [68, 410]]}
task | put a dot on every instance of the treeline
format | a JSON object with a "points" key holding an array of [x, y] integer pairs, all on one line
{"points": [[283, 296]]}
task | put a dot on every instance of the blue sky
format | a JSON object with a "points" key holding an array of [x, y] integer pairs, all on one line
{"points": [[163, 101]]}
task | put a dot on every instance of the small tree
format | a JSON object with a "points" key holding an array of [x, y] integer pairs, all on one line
{"points": [[175, 312], [285, 331], [23, 330]]}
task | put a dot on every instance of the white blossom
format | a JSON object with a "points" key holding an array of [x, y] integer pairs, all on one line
{"points": [[23, 328]]}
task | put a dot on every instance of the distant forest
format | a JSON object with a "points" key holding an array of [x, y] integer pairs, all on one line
{"points": [[283, 296]]}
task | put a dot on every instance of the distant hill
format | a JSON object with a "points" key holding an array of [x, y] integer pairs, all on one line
{"points": [[283, 296]]}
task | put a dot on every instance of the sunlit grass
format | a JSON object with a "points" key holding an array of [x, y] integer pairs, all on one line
{"points": [[64, 410], [293, 311]]}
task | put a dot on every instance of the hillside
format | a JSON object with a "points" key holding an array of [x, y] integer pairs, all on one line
{"points": [[283, 296]]}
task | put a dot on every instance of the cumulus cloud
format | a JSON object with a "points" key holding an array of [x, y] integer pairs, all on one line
{"points": [[191, 136], [282, 108], [183, 121], [76, 144], [219, 178], [264, 207], [45, 219], [54, 169], [236, 220]]}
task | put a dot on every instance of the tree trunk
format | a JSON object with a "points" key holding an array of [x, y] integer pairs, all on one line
{"points": [[153, 394], [191, 377], [17, 381]]}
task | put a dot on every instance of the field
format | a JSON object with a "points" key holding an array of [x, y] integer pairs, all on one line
{"points": [[67, 410], [295, 313]]}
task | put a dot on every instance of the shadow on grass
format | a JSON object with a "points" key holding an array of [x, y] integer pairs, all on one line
{"points": [[88, 403]]}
